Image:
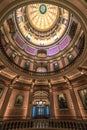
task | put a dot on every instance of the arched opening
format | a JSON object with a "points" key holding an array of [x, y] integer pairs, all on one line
{"points": [[40, 105]]}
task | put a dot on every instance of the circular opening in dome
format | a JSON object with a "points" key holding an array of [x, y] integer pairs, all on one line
{"points": [[42, 17], [42, 8]]}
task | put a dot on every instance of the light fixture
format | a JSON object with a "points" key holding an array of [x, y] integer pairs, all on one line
{"points": [[82, 72], [41, 101]]}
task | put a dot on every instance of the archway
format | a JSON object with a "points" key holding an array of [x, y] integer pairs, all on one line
{"points": [[40, 105]]}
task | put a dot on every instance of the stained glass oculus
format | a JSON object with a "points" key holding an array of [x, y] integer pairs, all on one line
{"points": [[42, 8]]}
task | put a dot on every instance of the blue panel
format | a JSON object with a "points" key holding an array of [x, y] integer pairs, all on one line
{"points": [[39, 111], [42, 111], [47, 111], [33, 111]]}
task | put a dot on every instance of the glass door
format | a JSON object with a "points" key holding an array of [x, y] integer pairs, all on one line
{"points": [[40, 111]]}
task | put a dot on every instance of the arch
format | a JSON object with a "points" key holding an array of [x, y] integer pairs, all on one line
{"points": [[40, 105]]}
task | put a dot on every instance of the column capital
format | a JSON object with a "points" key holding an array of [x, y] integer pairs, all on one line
{"points": [[82, 70], [11, 87], [33, 83], [14, 80], [49, 84], [70, 86], [73, 96]]}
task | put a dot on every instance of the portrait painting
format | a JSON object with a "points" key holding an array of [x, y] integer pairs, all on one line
{"points": [[83, 96], [19, 100], [62, 101], [1, 92]]}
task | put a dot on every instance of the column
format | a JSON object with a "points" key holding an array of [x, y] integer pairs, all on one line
{"points": [[52, 115], [7, 96], [5, 102], [74, 99], [29, 111]]}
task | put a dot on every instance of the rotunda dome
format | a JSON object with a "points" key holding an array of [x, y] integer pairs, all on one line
{"points": [[42, 36]]}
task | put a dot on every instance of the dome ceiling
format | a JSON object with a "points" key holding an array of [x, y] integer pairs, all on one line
{"points": [[41, 29], [42, 39], [42, 16]]}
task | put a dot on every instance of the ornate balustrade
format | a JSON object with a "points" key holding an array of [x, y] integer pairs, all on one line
{"points": [[43, 124]]}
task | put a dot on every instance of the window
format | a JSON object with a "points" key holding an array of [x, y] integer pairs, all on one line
{"points": [[26, 65], [70, 58], [40, 110], [56, 67]]}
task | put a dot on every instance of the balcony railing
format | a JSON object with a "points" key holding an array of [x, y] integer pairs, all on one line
{"points": [[43, 124]]}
